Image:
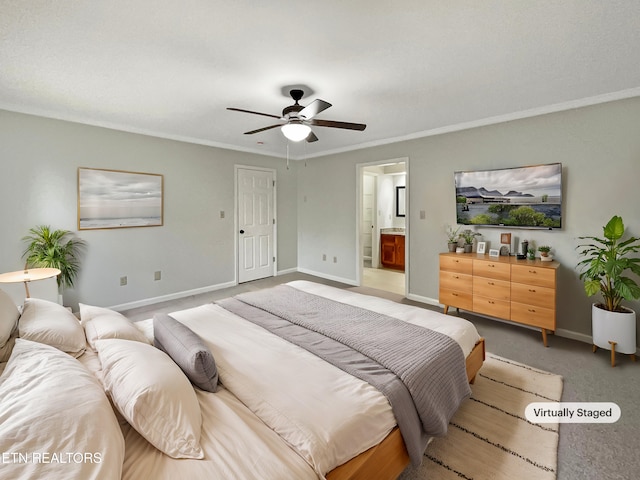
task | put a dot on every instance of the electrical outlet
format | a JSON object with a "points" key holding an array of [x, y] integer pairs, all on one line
{"points": [[123, 281], [157, 275], [324, 257], [335, 259], [221, 213]]}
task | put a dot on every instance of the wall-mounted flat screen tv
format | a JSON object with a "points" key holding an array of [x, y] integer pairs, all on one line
{"points": [[524, 197]]}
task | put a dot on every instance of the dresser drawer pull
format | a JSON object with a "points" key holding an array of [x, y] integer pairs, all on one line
{"points": [[456, 276], [454, 294], [491, 265], [533, 271], [491, 302], [490, 283], [532, 290], [532, 310]]}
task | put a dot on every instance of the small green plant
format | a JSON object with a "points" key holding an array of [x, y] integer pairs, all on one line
{"points": [[605, 262], [452, 234], [544, 250], [467, 236], [54, 249], [532, 253]]}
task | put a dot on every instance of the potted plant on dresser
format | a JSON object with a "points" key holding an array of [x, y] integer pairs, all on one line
{"points": [[452, 238], [468, 235], [605, 265], [545, 254]]}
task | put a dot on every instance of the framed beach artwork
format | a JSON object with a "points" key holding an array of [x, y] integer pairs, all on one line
{"points": [[119, 199]]}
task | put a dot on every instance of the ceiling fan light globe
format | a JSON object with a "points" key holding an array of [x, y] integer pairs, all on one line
{"points": [[296, 132]]}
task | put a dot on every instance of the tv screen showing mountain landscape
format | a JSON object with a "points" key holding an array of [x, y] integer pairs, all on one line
{"points": [[516, 197]]}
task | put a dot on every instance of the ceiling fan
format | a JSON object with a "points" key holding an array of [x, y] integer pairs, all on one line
{"points": [[298, 119]]}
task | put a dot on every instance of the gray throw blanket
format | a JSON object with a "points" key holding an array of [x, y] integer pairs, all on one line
{"points": [[420, 371]]}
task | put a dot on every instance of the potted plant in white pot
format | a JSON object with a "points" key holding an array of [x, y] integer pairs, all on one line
{"points": [[452, 238], [605, 266], [49, 248]]}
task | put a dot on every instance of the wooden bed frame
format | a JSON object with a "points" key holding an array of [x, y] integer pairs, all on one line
{"points": [[389, 458]]}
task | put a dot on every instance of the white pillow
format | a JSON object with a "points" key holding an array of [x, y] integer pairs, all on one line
{"points": [[153, 394], [9, 315], [102, 323], [56, 415], [50, 323]]}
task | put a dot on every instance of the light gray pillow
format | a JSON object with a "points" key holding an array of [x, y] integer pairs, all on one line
{"points": [[187, 350]]}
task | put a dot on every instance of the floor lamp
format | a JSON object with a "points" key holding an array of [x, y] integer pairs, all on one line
{"points": [[29, 275]]}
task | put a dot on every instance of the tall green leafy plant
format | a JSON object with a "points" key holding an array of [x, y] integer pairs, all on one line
{"points": [[606, 262], [49, 248]]}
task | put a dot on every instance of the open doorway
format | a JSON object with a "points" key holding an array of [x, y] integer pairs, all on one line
{"points": [[383, 225]]}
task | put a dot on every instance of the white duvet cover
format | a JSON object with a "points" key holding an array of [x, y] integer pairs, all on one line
{"points": [[324, 414]]}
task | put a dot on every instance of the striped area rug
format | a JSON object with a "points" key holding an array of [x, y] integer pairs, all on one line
{"points": [[489, 437]]}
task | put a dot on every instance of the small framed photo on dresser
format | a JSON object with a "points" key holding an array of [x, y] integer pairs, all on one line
{"points": [[494, 252], [481, 247]]}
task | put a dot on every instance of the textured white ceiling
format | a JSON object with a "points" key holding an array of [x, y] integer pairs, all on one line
{"points": [[406, 68]]}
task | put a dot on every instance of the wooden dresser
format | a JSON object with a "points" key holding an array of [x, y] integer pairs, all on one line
{"points": [[522, 291]]}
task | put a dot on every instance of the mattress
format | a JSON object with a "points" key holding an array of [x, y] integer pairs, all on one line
{"points": [[324, 415]]}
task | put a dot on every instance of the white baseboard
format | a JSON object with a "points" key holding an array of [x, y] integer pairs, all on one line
{"points": [[172, 296], [421, 299], [348, 281], [288, 270]]}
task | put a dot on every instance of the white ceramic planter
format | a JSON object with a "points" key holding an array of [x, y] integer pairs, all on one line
{"points": [[619, 327]]}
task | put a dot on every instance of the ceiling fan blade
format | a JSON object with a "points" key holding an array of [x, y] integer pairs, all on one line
{"points": [[314, 108], [262, 129], [311, 138], [334, 124], [255, 113]]}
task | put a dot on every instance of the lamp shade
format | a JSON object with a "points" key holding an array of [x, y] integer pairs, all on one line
{"points": [[296, 131]]}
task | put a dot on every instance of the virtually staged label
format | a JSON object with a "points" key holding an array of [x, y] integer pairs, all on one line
{"points": [[572, 412]]}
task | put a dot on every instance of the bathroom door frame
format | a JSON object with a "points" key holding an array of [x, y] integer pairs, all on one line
{"points": [[358, 257]]}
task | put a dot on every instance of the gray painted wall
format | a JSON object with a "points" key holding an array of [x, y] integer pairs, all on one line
{"points": [[599, 148], [194, 249]]}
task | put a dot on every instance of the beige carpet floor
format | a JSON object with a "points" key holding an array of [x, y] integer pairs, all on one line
{"points": [[489, 437]]}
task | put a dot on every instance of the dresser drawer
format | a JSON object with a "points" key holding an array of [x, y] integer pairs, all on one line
{"points": [[491, 306], [492, 269], [492, 288], [533, 275], [456, 264], [451, 298], [533, 295], [456, 281], [535, 316]]}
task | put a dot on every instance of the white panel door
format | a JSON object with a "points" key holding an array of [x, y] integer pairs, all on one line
{"points": [[256, 224]]}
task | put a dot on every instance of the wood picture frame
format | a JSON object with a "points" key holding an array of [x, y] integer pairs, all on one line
{"points": [[119, 199]]}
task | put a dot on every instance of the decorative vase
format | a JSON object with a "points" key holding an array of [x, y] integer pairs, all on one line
{"points": [[546, 258], [452, 246], [468, 247], [619, 327]]}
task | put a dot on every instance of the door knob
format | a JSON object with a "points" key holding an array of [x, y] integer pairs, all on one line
{"points": [[241, 231]]}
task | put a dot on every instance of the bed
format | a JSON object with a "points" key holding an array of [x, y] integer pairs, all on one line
{"points": [[279, 410]]}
